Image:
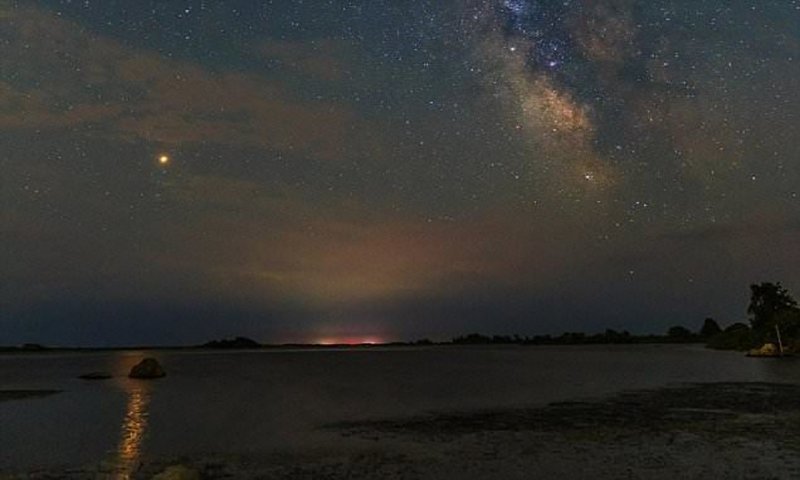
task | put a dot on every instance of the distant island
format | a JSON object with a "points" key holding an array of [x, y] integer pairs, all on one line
{"points": [[773, 311], [233, 343]]}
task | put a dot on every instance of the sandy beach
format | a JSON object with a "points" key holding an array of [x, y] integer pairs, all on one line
{"points": [[692, 431]]}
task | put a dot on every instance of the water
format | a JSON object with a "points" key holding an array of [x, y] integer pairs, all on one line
{"points": [[259, 401]]}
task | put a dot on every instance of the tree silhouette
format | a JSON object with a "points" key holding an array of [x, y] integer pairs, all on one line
{"points": [[767, 300], [710, 328], [679, 332]]}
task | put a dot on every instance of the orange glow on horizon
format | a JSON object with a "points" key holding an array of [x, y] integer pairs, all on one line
{"points": [[371, 340]]}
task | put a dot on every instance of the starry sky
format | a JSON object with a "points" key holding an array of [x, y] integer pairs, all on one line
{"points": [[311, 170]]}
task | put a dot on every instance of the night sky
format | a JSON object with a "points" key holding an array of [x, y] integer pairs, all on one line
{"points": [[375, 170]]}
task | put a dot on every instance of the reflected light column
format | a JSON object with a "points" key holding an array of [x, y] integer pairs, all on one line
{"points": [[134, 426]]}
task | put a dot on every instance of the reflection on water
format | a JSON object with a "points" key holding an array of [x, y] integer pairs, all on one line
{"points": [[133, 428]]}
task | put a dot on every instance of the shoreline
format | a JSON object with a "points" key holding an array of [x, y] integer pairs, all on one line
{"points": [[312, 347], [718, 430]]}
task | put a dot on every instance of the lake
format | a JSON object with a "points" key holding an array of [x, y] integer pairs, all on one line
{"points": [[261, 401]]}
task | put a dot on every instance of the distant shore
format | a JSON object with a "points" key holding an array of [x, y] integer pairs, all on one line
{"points": [[610, 337]]}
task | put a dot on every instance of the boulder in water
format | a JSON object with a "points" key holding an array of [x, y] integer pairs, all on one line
{"points": [[147, 368]]}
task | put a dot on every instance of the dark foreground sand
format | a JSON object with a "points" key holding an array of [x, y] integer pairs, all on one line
{"points": [[698, 431]]}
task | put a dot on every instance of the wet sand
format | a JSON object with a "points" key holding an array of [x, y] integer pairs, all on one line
{"points": [[702, 431]]}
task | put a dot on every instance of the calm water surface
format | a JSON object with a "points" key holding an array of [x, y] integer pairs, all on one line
{"points": [[249, 402]]}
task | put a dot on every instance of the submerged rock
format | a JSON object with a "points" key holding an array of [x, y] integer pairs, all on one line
{"points": [[23, 394], [95, 376], [178, 472], [147, 368]]}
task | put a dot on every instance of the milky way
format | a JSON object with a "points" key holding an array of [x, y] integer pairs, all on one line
{"points": [[392, 169], [644, 91]]}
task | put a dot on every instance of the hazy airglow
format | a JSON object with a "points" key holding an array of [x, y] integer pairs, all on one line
{"points": [[350, 340]]}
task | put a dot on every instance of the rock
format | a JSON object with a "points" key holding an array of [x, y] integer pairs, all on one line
{"points": [[766, 350], [23, 394], [178, 472], [147, 368], [95, 376]]}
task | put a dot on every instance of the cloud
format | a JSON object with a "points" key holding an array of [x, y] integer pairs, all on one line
{"points": [[321, 59], [750, 230], [33, 110], [65, 77], [259, 245]]}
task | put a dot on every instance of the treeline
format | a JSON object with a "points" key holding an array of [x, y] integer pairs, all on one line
{"points": [[676, 334], [772, 312]]}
